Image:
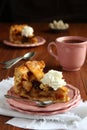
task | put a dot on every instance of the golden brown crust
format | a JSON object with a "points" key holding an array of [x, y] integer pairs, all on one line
{"points": [[19, 75], [36, 68], [26, 73]]}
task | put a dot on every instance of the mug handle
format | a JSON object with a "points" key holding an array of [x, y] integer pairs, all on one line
{"points": [[50, 50]]}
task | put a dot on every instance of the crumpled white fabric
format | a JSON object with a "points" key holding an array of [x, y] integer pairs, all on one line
{"points": [[75, 119]]}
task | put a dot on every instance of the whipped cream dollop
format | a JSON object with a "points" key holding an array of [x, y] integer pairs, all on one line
{"points": [[53, 79], [27, 31]]}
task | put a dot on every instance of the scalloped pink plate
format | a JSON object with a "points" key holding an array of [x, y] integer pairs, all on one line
{"points": [[29, 107], [41, 41], [59, 111]]}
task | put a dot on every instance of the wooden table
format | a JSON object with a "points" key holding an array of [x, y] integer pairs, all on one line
{"points": [[78, 78]]}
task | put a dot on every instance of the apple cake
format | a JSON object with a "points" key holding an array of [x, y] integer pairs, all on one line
{"points": [[22, 34], [31, 82]]}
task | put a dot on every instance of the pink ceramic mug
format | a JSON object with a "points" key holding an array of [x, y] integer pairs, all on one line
{"points": [[71, 51]]}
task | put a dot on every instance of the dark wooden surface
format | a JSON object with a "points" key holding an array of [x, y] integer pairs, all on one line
{"points": [[78, 78]]}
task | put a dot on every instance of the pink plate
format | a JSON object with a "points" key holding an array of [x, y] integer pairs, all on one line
{"points": [[29, 107], [47, 112], [41, 41]]}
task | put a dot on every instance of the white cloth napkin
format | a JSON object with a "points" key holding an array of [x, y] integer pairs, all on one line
{"points": [[75, 119]]}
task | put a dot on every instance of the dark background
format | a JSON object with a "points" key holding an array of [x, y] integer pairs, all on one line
{"points": [[43, 10]]}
